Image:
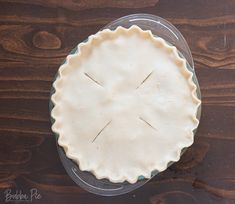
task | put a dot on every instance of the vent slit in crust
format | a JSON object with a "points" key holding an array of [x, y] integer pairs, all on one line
{"points": [[145, 79], [101, 131], [147, 123], [88, 75]]}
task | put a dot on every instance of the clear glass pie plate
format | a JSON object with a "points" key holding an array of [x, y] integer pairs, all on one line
{"points": [[159, 27]]}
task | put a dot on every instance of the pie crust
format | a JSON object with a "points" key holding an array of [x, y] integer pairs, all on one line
{"points": [[125, 104]]}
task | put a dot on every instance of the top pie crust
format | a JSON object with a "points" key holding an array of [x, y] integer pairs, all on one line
{"points": [[124, 105]]}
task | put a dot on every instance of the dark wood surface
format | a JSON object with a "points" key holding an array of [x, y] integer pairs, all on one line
{"points": [[35, 37]]}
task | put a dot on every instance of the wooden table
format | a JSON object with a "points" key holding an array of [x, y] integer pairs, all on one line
{"points": [[35, 37]]}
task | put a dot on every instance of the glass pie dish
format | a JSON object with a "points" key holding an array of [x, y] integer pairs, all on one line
{"points": [[160, 28]]}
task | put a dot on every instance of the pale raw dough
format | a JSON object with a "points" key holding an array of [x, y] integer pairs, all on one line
{"points": [[124, 105]]}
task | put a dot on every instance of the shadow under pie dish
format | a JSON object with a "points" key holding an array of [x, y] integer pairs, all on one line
{"points": [[125, 105]]}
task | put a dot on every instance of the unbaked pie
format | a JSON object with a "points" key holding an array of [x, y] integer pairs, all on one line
{"points": [[125, 104]]}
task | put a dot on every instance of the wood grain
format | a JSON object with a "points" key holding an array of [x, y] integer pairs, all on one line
{"points": [[35, 37]]}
